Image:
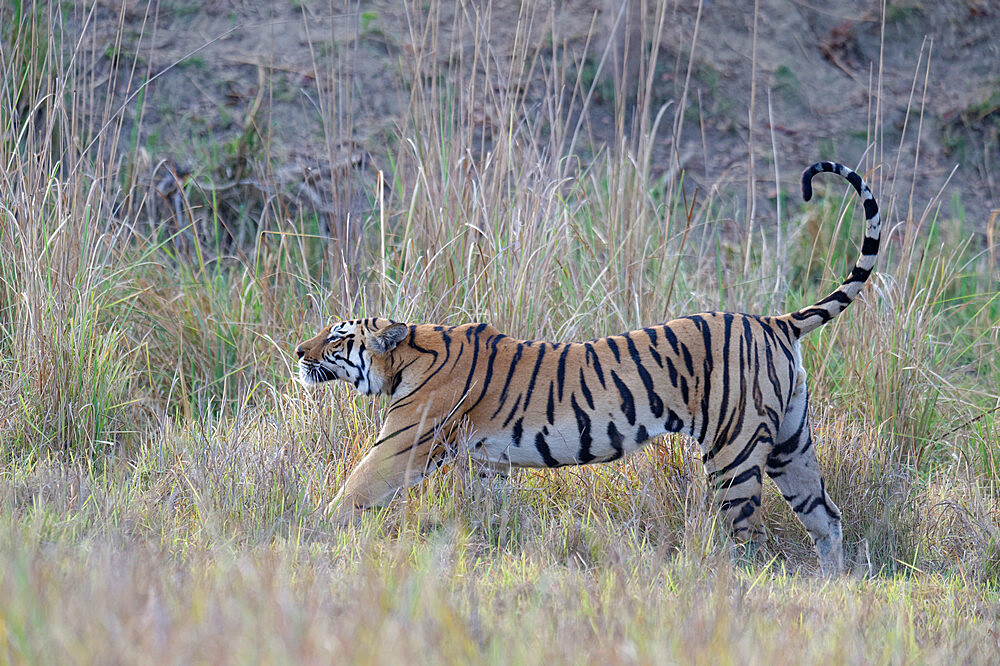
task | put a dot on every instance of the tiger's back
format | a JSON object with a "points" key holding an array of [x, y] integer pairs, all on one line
{"points": [[543, 404]]}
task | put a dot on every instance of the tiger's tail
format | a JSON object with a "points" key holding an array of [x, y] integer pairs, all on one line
{"points": [[813, 316]]}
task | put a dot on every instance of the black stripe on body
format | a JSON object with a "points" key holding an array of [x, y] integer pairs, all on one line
{"points": [[656, 356], [782, 452], [425, 437], [591, 356], [475, 358], [458, 356], [510, 374], [733, 425], [655, 402], [780, 323], [615, 438], [727, 325], [674, 422], [671, 338], [627, 402], [672, 372], [494, 342], [772, 375], [809, 504], [561, 371], [534, 375], [783, 341], [543, 450], [750, 505], [394, 434], [770, 340], [474, 331], [688, 361], [513, 410], [706, 335], [613, 346], [586, 390], [583, 425], [762, 434], [749, 474]]}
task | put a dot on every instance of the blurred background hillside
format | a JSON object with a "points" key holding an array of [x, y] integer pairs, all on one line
{"points": [[303, 100]]}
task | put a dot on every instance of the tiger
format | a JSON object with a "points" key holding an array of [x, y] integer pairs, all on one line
{"points": [[734, 382]]}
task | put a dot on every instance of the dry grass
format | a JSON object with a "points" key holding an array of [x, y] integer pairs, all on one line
{"points": [[161, 473]]}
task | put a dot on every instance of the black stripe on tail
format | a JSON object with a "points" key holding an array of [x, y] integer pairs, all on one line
{"points": [[812, 317]]}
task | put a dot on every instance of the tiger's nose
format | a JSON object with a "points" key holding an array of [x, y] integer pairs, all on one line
{"points": [[300, 352]]}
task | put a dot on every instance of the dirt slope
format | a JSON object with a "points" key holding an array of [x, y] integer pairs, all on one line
{"points": [[312, 87]]}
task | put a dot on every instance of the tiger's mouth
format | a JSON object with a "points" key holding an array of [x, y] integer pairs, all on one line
{"points": [[311, 374]]}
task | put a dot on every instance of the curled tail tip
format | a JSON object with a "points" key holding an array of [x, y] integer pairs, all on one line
{"points": [[807, 176], [807, 190], [812, 170]]}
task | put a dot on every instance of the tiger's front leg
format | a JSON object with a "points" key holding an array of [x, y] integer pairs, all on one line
{"points": [[402, 456]]}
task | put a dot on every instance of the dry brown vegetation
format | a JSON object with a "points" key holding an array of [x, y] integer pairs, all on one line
{"points": [[161, 474]]}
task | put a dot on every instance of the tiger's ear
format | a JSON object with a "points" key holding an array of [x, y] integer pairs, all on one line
{"points": [[385, 339]]}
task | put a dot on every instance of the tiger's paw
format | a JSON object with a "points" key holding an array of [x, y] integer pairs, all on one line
{"points": [[831, 555], [341, 513]]}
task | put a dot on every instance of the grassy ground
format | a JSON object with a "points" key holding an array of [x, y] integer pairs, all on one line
{"points": [[161, 473]]}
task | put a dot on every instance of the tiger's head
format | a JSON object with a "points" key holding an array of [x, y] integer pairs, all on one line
{"points": [[358, 352]]}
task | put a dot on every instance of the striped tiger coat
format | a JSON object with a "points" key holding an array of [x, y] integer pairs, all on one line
{"points": [[734, 382]]}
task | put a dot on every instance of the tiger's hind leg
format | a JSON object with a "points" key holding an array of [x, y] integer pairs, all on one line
{"points": [[793, 466], [736, 467]]}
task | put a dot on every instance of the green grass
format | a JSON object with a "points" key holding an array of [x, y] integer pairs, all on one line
{"points": [[161, 475]]}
